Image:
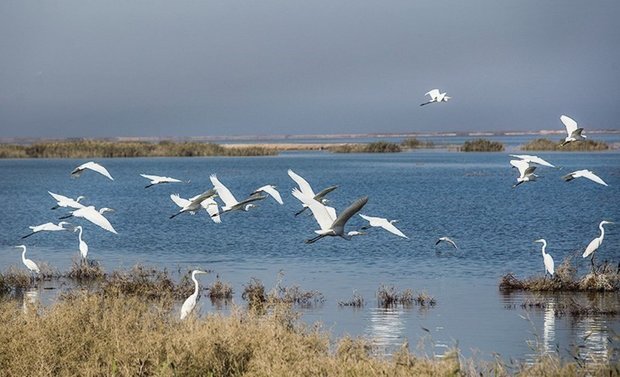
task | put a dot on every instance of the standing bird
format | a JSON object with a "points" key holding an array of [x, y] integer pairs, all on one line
{"points": [[436, 97], [190, 302], [271, 190], [77, 172], [526, 171], [585, 174], [65, 202], [382, 223], [446, 240], [574, 133], [193, 204], [208, 204], [230, 203], [532, 159], [546, 258], [82, 245], [96, 217], [326, 217], [595, 243], [306, 189], [156, 180], [47, 227], [29, 263]]}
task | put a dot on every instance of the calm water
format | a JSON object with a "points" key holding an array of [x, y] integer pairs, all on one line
{"points": [[465, 196]]}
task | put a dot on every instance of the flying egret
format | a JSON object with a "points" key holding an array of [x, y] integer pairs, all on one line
{"points": [[574, 133], [65, 202], [436, 96], [330, 224], [82, 244], [585, 174], [547, 259], [382, 223], [446, 240], [193, 204], [77, 172], [47, 227], [208, 204], [96, 217], [532, 159], [230, 203], [190, 302], [595, 243], [271, 190], [526, 171], [156, 180], [29, 263], [306, 189]]}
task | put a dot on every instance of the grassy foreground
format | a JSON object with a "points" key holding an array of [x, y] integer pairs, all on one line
{"points": [[125, 335]]}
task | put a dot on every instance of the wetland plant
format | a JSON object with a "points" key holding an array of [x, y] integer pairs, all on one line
{"points": [[357, 301], [88, 270], [219, 290]]}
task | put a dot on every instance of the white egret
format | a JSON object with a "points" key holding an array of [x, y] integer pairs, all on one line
{"points": [[526, 171], [77, 172], [436, 96], [193, 204], [82, 244], [595, 243], [65, 202], [547, 259], [230, 203], [156, 180], [574, 133], [96, 217], [30, 265], [208, 204], [47, 227], [446, 240], [306, 189], [326, 217], [383, 223], [190, 302], [271, 190], [584, 174], [532, 159]]}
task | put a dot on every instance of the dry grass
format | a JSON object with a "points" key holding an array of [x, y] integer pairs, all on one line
{"points": [[543, 144], [357, 301], [89, 271], [16, 278], [256, 296], [218, 290], [376, 147], [388, 296], [482, 145], [148, 283]]}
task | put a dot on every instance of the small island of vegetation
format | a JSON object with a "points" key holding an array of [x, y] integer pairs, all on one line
{"points": [[414, 143], [482, 145], [376, 147], [543, 144]]}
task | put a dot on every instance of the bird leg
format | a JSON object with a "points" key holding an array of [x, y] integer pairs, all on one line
{"points": [[593, 267], [65, 217], [147, 186], [28, 235], [313, 240], [55, 207], [300, 212], [175, 215]]}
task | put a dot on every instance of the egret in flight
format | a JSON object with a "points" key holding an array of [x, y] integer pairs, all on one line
{"points": [[77, 172], [82, 245], [446, 240], [156, 180], [208, 204], [436, 96], [65, 202], [382, 223], [595, 243], [30, 265], [547, 259], [326, 217], [526, 171], [190, 302], [47, 227], [306, 189], [96, 217], [271, 190], [230, 203], [584, 174], [532, 159], [193, 204], [574, 133]]}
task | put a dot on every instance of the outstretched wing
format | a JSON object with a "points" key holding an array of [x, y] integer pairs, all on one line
{"points": [[522, 165], [569, 123], [434, 93], [92, 215], [269, 189], [304, 186], [350, 211], [320, 212], [212, 209], [96, 167], [179, 201], [591, 176], [223, 192]]}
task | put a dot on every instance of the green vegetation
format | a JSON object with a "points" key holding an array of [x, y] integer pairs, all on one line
{"points": [[376, 147], [549, 145], [100, 148], [482, 145], [414, 143]]}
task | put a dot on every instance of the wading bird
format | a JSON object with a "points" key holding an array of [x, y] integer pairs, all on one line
{"points": [[47, 227], [96, 217], [526, 171], [532, 159], [271, 190], [436, 96], [595, 243], [230, 203], [193, 204], [584, 174], [77, 172], [190, 302], [306, 189], [446, 240], [574, 133], [156, 180], [326, 217], [30, 265], [82, 245], [208, 204], [65, 202], [547, 259], [382, 223]]}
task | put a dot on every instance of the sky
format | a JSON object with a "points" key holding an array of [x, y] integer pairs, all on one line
{"points": [[89, 68]]}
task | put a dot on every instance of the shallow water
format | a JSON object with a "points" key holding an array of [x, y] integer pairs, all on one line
{"points": [[467, 196]]}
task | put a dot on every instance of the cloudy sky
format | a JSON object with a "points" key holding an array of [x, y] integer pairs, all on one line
{"points": [[80, 68]]}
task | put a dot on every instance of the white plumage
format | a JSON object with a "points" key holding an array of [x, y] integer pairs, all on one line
{"points": [[584, 174], [384, 223], [190, 302], [77, 172], [547, 259], [156, 180]]}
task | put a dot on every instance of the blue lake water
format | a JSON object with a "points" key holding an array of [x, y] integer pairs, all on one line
{"points": [[467, 196]]}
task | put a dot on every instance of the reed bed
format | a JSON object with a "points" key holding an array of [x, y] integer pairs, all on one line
{"points": [[389, 296], [357, 301], [415, 143], [376, 147], [543, 144], [219, 290], [482, 145]]}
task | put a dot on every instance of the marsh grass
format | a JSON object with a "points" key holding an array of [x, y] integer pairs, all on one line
{"points": [[543, 144], [219, 290], [389, 296], [376, 147], [146, 282], [482, 145], [357, 301], [415, 143], [16, 278], [90, 270]]}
